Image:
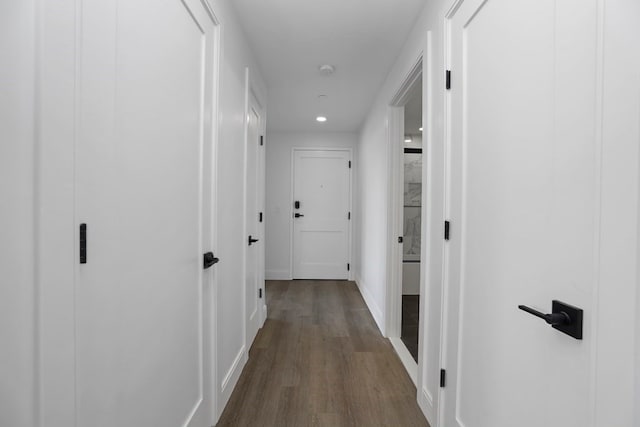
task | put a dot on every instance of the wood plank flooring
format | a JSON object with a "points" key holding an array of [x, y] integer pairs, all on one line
{"points": [[320, 360]]}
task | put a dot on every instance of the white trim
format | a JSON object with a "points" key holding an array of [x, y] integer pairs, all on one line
{"points": [[428, 331], [395, 170], [232, 376], [350, 241], [278, 275], [252, 102], [425, 402], [401, 97], [406, 358], [395, 173], [446, 209], [244, 206], [213, 238], [375, 311]]}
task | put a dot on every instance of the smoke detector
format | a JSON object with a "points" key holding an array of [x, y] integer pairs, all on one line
{"points": [[326, 70]]}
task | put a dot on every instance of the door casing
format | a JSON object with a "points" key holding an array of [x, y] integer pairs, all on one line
{"points": [[253, 104], [395, 226]]}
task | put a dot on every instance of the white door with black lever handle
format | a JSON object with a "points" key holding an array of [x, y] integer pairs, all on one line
{"points": [[523, 208], [321, 214], [144, 180]]}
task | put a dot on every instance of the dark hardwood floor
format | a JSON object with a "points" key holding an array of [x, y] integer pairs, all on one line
{"points": [[320, 360]]}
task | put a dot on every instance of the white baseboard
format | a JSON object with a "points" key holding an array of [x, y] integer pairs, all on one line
{"points": [[426, 405], [277, 275], [405, 357], [231, 378], [371, 303]]}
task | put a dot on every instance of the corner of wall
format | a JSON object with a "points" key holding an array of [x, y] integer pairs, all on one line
{"points": [[374, 309], [277, 275]]}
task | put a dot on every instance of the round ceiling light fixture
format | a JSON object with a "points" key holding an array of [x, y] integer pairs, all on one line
{"points": [[321, 119], [327, 69]]}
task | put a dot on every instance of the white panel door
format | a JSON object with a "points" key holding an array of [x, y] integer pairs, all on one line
{"points": [[523, 210], [321, 187], [144, 180], [253, 287]]}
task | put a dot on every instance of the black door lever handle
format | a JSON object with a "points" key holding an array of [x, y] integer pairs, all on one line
{"points": [[209, 260], [561, 318], [252, 240], [297, 215]]}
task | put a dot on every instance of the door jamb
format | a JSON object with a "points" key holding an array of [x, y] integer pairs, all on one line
{"points": [[252, 97], [395, 190], [212, 382]]}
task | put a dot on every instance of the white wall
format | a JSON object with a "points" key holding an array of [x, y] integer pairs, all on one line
{"points": [[373, 151], [231, 241], [617, 370], [17, 248], [278, 204]]}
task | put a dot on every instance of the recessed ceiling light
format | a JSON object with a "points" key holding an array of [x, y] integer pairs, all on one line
{"points": [[321, 119], [407, 139], [420, 129], [327, 69]]}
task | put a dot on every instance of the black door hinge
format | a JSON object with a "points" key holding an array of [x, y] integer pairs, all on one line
{"points": [[448, 80], [260, 217], [349, 164], [443, 378], [261, 140], [260, 293], [83, 243], [348, 267], [447, 226], [400, 239], [349, 215]]}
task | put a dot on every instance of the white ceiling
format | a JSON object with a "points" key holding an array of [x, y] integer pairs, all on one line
{"points": [[292, 38]]}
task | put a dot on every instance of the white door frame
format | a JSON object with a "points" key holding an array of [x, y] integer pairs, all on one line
{"points": [[426, 376], [291, 201], [214, 375], [252, 97], [55, 256], [395, 215]]}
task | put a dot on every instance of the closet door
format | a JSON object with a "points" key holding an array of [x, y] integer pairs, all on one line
{"points": [[143, 185], [524, 212]]}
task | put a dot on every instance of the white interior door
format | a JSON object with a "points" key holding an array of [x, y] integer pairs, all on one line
{"points": [[253, 286], [321, 192], [523, 211], [144, 181]]}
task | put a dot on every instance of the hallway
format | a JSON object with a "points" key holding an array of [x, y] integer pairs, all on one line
{"points": [[319, 360]]}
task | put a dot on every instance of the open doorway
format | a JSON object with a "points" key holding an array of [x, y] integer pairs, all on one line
{"points": [[412, 220], [405, 215]]}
